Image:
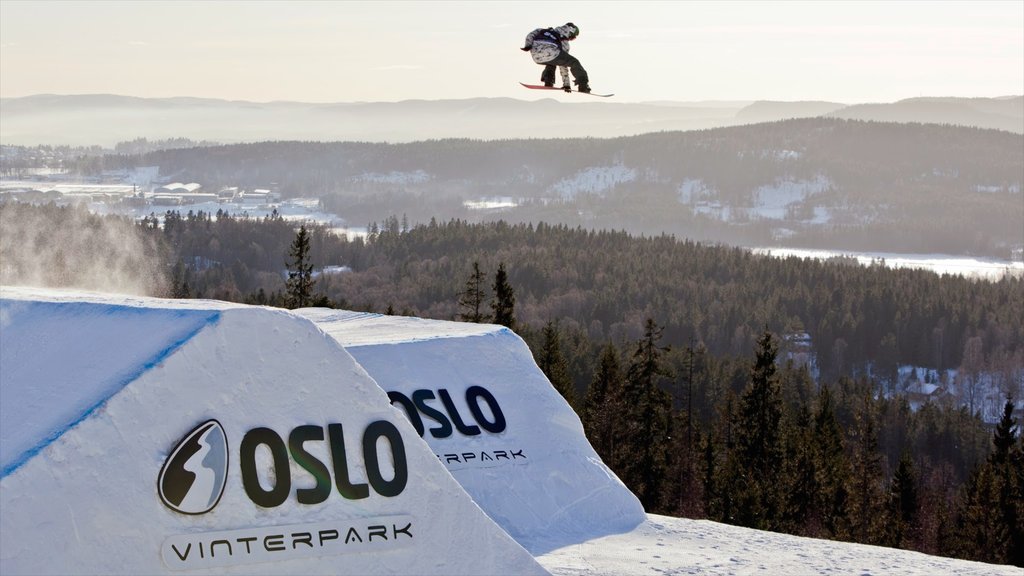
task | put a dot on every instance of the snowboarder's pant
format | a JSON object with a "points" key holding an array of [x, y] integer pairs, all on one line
{"points": [[564, 59]]}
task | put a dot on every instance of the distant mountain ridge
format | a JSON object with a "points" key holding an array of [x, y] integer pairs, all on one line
{"points": [[996, 113], [105, 119]]}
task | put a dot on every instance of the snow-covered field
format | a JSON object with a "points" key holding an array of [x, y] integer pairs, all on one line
{"points": [[144, 436]]}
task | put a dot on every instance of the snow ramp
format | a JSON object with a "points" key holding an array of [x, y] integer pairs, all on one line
{"points": [[145, 436], [478, 398]]}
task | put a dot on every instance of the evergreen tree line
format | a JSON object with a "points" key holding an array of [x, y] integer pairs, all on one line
{"points": [[781, 453], [601, 286]]}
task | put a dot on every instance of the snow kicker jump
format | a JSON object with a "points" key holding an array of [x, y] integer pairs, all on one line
{"points": [[475, 394], [146, 436]]}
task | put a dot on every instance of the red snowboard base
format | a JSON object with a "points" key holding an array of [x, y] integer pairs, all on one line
{"points": [[542, 87]]}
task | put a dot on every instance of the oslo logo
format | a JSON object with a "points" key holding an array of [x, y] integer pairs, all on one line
{"points": [[417, 405], [192, 479]]}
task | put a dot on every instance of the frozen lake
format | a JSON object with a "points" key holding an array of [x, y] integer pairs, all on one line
{"points": [[987, 268]]}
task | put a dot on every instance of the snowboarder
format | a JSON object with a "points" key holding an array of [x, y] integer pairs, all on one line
{"points": [[549, 47]]}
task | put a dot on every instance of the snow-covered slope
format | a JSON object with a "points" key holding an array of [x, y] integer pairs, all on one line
{"points": [[664, 546], [494, 419], [144, 436]]}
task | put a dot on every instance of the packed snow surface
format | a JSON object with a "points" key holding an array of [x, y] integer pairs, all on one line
{"points": [[520, 450], [215, 438], [664, 546], [108, 399]]}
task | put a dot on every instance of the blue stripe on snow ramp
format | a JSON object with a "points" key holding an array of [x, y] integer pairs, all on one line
{"points": [[61, 361]]}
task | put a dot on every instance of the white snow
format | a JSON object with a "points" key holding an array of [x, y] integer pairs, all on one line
{"points": [[772, 202], [693, 189], [495, 203], [395, 177], [665, 546], [593, 180], [553, 488], [87, 500], [99, 391]]}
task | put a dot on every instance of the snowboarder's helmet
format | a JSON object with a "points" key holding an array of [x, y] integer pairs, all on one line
{"points": [[572, 29]]}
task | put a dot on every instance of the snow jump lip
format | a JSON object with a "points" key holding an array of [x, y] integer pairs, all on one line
{"points": [[476, 396], [183, 435], [24, 366]]}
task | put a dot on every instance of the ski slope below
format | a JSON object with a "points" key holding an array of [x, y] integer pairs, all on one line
{"points": [[99, 392], [665, 546]]}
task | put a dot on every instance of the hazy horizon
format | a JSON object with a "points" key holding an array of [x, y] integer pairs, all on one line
{"points": [[334, 51], [711, 104]]}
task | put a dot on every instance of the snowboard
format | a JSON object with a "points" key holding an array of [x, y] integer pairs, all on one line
{"points": [[543, 87]]}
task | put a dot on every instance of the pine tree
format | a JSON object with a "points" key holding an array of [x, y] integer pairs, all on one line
{"points": [[300, 282], [1017, 498], [504, 302], [989, 520], [602, 404], [798, 473], [831, 469], [553, 363], [1005, 435], [682, 490], [903, 504], [759, 442], [979, 535], [865, 484], [709, 484], [647, 410], [179, 281], [471, 300]]}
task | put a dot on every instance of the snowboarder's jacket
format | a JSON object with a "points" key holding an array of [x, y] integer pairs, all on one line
{"points": [[545, 44]]}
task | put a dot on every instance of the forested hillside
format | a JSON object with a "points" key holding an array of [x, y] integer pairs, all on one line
{"points": [[678, 356], [823, 183], [602, 285]]}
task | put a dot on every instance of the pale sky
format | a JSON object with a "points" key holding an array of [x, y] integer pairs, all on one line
{"points": [[346, 51]]}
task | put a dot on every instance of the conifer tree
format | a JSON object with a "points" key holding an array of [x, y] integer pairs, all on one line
{"points": [[1005, 435], [553, 363], [647, 410], [865, 485], [682, 490], [979, 535], [603, 404], [990, 526], [831, 469], [471, 300], [903, 504], [798, 474], [504, 302], [709, 485], [299, 286], [759, 442], [1016, 556], [179, 281]]}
